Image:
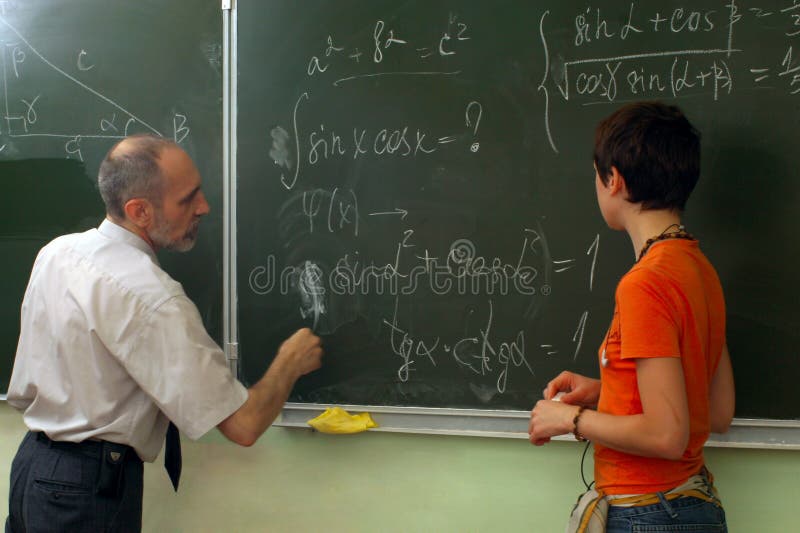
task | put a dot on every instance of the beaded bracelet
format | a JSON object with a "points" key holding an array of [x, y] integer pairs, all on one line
{"points": [[575, 431]]}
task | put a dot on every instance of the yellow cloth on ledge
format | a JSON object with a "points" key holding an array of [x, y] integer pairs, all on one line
{"points": [[337, 420]]}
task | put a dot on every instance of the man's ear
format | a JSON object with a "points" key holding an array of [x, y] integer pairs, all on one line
{"points": [[616, 182], [140, 212]]}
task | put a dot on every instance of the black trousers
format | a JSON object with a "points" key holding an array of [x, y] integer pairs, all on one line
{"points": [[54, 487]]}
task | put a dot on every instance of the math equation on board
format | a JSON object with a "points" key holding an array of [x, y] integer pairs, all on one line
{"points": [[336, 147], [404, 264], [699, 52]]}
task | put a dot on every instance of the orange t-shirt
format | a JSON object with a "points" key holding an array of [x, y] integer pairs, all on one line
{"points": [[670, 304]]}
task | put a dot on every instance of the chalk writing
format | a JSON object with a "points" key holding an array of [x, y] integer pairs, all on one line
{"points": [[81, 63], [411, 144], [312, 292], [339, 209], [324, 143], [461, 270], [473, 119], [578, 337], [481, 354], [675, 70], [30, 113], [66, 75], [387, 39], [405, 346]]}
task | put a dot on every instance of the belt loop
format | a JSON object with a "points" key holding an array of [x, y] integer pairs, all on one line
{"points": [[667, 507]]}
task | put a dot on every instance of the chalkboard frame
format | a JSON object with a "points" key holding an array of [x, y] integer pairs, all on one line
{"points": [[743, 433]]}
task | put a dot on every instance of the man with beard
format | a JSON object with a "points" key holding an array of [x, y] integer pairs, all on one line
{"points": [[113, 355]]}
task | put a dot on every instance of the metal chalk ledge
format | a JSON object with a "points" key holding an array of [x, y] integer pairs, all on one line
{"points": [[744, 433]]}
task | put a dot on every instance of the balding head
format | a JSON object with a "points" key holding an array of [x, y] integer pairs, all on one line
{"points": [[131, 170]]}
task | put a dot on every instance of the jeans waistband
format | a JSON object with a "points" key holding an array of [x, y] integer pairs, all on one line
{"points": [[697, 486]]}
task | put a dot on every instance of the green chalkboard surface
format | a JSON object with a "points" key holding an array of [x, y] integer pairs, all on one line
{"points": [[77, 76], [415, 182]]}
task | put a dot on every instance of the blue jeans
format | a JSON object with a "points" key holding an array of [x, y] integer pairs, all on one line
{"points": [[682, 514]]}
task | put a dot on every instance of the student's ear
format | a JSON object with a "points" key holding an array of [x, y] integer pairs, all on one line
{"points": [[616, 181], [139, 211]]}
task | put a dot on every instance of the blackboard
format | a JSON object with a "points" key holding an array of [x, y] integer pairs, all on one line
{"points": [[415, 182], [77, 76]]}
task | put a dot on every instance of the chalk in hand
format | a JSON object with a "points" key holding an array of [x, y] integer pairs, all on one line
{"points": [[557, 397]]}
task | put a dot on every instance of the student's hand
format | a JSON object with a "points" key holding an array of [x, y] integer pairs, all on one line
{"points": [[577, 389], [302, 352], [550, 418]]}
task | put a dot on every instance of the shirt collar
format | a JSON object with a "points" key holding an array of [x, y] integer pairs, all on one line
{"points": [[115, 232]]}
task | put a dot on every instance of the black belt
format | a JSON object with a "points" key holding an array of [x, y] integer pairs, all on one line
{"points": [[112, 457], [89, 447], [93, 448]]}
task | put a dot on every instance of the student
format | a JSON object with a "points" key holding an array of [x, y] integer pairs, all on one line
{"points": [[112, 351], [665, 372]]}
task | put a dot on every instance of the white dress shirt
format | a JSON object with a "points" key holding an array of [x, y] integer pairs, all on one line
{"points": [[111, 347]]}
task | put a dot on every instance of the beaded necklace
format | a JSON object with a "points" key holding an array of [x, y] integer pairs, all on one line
{"points": [[679, 233]]}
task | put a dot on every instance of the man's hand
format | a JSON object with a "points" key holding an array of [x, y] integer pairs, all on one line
{"points": [[298, 355], [301, 353]]}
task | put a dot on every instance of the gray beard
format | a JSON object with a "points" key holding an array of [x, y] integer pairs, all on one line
{"points": [[160, 236]]}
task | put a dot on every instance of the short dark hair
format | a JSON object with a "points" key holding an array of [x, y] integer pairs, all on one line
{"points": [[655, 148], [132, 173]]}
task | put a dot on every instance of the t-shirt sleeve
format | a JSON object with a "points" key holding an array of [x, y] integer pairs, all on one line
{"points": [[648, 320], [183, 370]]}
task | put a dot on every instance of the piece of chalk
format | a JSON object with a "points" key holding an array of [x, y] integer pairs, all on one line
{"points": [[557, 397]]}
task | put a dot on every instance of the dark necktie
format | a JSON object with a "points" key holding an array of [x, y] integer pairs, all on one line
{"points": [[172, 455]]}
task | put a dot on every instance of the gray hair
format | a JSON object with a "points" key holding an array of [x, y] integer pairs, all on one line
{"points": [[130, 170]]}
